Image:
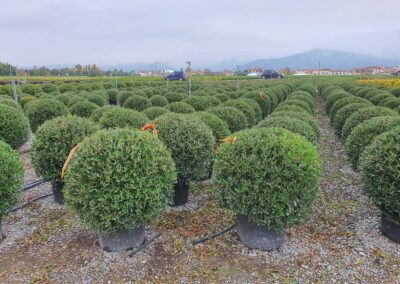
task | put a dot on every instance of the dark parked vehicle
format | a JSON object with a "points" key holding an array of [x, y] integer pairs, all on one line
{"points": [[176, 75], [271, 74]]}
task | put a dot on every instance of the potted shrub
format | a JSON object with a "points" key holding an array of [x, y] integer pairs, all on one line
{"points": [[380, 177], [14, 126], [122, 117], [52, 143], [191, 143], [117, 181], [270, 178], [235, 119], [11, 181], [38, 111]]}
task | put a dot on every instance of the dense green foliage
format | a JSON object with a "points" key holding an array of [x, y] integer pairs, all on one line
{"points": [[191, 143], [270, 175], [122, 117], [83, 109], [158, 100], [38, 111], [154, 112], [364, 133], [235, 119], [381, 174], [14, 126], [12, 175], [119, 179], [218, 126], [180, 107], [54, 140], [137, 103]]}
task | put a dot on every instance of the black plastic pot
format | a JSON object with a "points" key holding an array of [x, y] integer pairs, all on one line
{"points": [[390, 230], [122, 241], [181, 195], [259, 237], [58, 194]]}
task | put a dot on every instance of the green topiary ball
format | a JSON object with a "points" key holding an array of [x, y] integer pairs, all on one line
{"points": [[175, 97], [54, 140], [291, 108], [235, 119], [333, 98], [343, 114], [10, 103], [137, 103], [293, 124], [344, 102], [98, 113], [119, 179], [159, 101], [38, 111], [306, 118], [191, 143], [122, 117], [112, 96], [381, 173], [295, 102], [363, 134], [263, 101], [26, 99], [12, 178], [14, 126], [180, 107], [154, 112], [270, 175], [83, 109], [218, 126], [199, 103], [245, 108], [362, 115]]}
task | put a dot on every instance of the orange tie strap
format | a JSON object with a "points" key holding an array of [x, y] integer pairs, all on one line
{"points": [[150, 126], [229, 139], [71, 153], [262, 96]]}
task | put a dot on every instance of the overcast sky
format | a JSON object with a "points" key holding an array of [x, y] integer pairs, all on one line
{"points": [[108, 32]]}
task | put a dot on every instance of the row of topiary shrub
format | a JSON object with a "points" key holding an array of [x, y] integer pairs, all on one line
{"points": [[372, 142], [136, 172]]}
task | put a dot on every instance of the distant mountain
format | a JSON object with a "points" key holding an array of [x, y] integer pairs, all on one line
{"points": [[327, 58]]}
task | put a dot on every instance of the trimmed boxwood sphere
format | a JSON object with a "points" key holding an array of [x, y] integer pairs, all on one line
{"points": [[10, 103], [270, 175], [263, 101], [180, 107], [122, 117], [199, 103], [218, 126], [343, 114], [98, 113], [191, 143], [381, 173], [154, 112], [306, 118], [123, 96], [244, 107], [159, 101], [12, 177], [364, 133], [38, 111], [291, 108], [175, 97], [98, 99], [54, 140], [293, 124], [298, 103], [14, 126], [112, 96], [363, 115], [235, 119], [83, 109], [333, 98], [119, 179], [137, 103], [344, 102]]}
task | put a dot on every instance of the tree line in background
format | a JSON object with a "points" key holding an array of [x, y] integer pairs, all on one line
{"points": [[77, 70]]}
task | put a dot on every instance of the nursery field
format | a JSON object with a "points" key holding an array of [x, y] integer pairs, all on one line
{"points": [[257, 181]]}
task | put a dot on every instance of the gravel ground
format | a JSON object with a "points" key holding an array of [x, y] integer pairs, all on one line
{"points": [[340, 244]]}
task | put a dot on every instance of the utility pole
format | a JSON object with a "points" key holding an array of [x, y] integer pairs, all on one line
{"points": [[190, 79], [14, 88], [237, 79]]}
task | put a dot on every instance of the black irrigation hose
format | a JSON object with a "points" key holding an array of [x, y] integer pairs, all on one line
{"points": [[144, 245], [27, 203], [34, 183], [209, 237]]}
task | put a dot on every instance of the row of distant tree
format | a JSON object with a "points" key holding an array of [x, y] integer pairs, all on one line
{"points": [[77, 70]]}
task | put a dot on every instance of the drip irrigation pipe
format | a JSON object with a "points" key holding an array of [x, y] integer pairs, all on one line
{"points": [[144, 245], [34, 183], [209, 237], [29, 202]]}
